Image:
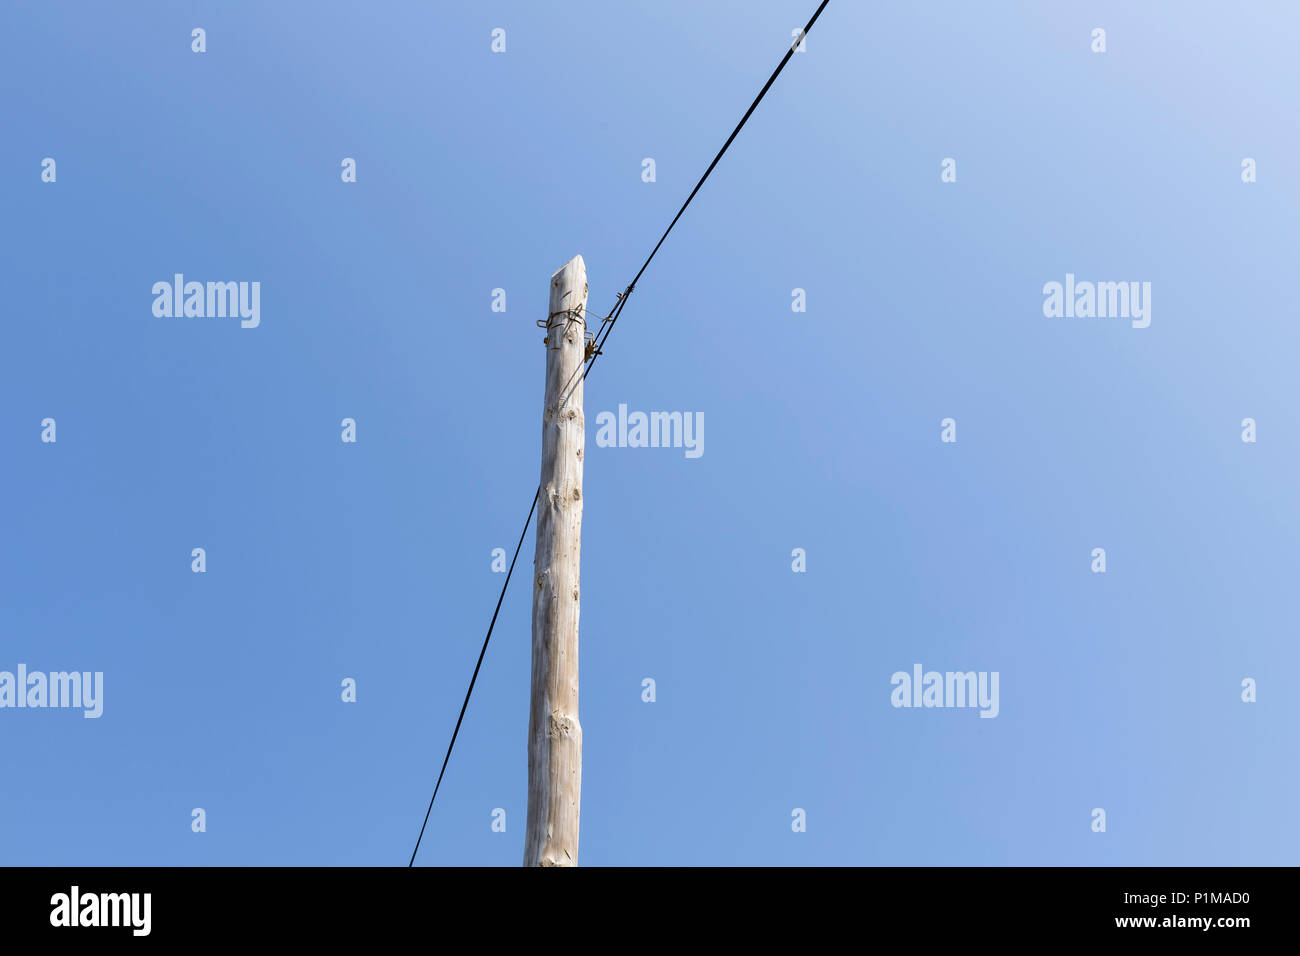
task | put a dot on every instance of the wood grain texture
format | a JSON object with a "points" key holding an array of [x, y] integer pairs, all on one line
{"points": [[554, 734]]}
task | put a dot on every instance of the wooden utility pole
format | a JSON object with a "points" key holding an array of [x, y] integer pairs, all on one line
{"points": [[554, 734]]}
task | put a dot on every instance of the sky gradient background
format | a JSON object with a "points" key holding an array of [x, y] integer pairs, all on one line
{"points": [[373, 561]]}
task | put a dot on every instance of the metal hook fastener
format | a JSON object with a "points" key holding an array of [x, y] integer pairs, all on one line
{"points": [[574, 314]]}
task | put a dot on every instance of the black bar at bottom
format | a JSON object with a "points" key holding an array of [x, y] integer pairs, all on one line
{"points": [[336, 905]]}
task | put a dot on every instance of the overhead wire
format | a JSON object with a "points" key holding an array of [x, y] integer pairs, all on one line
{"points": [[594, 351]]}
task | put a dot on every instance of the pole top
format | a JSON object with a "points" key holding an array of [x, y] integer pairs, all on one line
{"points": [[573, 265]]}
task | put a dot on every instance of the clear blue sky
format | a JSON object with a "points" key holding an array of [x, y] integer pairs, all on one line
{"points": [[372, 560]]}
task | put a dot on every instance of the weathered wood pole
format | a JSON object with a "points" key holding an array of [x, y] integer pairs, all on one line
{"points": [[554, 734]]}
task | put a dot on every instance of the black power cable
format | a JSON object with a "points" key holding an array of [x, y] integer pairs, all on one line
{"points": [[602, 336], [474, 677]]}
